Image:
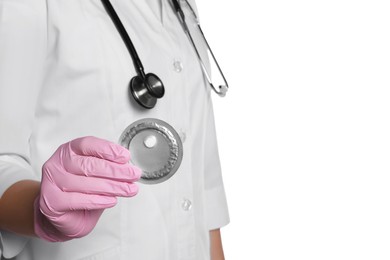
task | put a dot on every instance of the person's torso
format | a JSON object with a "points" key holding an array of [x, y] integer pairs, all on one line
{"points": [[85, 92]]}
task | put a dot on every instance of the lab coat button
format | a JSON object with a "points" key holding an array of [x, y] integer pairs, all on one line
{"points": [[178, 66], [186, 204], [183, 136]]}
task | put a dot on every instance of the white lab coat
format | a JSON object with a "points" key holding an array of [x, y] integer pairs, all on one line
{"points": [[64, 73]]}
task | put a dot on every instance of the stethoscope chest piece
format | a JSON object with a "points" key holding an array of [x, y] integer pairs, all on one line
{"points": [[146, 90], [155, 147]]}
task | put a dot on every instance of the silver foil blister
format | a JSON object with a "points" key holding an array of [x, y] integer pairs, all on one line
{"points": [[159, 162]]}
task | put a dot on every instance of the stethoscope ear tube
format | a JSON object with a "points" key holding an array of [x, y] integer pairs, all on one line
{"points": [[222, 88], [180, 14]]}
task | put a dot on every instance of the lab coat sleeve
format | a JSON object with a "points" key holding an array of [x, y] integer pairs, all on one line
{"points": [[22, 53], [216, 210]]}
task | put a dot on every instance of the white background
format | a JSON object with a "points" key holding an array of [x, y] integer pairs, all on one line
{"points": [[304, 132]]}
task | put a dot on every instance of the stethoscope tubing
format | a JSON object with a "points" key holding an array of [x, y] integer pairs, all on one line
{"points": [[125, 37]]}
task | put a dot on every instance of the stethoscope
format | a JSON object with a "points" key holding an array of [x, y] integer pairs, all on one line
{"points": [[147, 88]]}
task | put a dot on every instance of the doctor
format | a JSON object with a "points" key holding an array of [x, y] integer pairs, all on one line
{"points": [[67, 189]]}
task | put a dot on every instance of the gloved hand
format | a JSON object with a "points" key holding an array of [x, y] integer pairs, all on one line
{"points": [[81, 179]]}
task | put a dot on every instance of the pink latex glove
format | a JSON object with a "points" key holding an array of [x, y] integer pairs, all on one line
{"points": [[80, 180]]}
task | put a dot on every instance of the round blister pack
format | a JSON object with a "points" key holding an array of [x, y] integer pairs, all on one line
{"points": [[155, 147]]}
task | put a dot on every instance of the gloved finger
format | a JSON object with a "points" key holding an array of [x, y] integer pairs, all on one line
{"points": [[54, 202], [96, 167], [76, 229], [81, 201], [97, 186], [100, 148]]}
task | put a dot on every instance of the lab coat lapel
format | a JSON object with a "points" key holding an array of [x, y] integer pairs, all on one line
{"points": [[156, 6]]}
